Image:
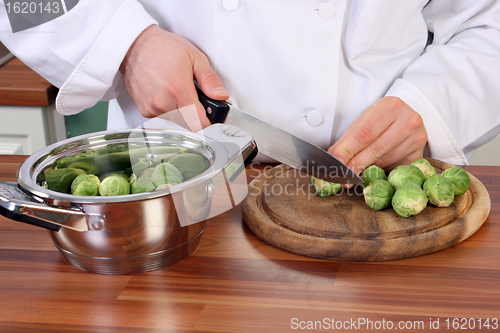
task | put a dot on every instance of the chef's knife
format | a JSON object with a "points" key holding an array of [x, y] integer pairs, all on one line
{"points": [[280, 145]]}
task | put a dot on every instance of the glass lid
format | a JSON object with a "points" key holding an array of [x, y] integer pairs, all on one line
{"points": [[123, 165]]}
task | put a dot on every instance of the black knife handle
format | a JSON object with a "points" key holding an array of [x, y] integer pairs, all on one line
{"points": [[216, 110]]}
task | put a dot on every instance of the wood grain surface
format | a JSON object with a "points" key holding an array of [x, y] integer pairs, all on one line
{"points": [[283, 209], [20, 85], [236, 282]]}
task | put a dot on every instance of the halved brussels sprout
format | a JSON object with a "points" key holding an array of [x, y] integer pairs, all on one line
{"points": [[459, 178], [141, 185], [87, 185], [404, 174], [425, 166], [378, 195], [439, 190], [60, 179], [409, 199], [190, 165], [117, 184], [166, 173], [162, 187], [88, 167], [373, 172], [324, 188]]}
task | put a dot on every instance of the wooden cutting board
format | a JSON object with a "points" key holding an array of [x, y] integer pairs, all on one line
{"points": [[283, 209]]}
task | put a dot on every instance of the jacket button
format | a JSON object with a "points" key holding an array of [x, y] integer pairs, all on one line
{"points": [[314, 118], [231, 4], [327, 11]]}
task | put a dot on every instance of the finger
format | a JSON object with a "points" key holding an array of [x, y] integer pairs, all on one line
{"points": [[196, 120], [406, 160], [389, 147], [209, 82], [202, 115], [360, 136]]}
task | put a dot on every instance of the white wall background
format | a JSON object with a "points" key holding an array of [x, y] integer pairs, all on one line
{"points": [[489, 154]]}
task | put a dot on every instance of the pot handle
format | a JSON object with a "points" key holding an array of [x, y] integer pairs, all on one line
{"points": [[18, 205]]}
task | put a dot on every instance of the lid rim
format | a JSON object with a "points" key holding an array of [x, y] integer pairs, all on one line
{"points": [[26, 175]]}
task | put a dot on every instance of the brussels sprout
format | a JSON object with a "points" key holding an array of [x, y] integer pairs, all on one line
{"points": [[143, 163], [85, 185], [190, 165], [324, 188], [132, 179], [378, 195], [372, 173], [87, 166], [425, 166], [118, 148], [409, 199], [116, 184], [140, 166], [60, 179], [119, 173], [142, 185], [459, 178], [166, 173], [404, 174], [439, 190], [86, 156], [113, 162], [148, 172]]}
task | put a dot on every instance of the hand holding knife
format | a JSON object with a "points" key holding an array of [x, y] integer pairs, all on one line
{"points": [[280, 145]]}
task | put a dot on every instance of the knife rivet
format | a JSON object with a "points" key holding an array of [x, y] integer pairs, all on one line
{"points": [[209, 110]]}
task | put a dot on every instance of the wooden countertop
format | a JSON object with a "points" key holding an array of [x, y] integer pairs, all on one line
{"points": [[20, 85], [237, 283]]}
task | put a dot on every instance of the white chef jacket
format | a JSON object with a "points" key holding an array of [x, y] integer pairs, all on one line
{"points": [[309, 67]]}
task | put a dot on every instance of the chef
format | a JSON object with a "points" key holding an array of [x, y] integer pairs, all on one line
{"points": [[373, 81]]}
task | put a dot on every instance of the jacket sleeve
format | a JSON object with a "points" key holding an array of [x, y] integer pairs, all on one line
{"points": [[454, 84], [81, 51]]}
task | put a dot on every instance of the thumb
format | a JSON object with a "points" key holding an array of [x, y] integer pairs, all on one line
{"points": [[209, 82]]}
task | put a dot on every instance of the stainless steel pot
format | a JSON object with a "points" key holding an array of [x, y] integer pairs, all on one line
{"points": [[137, 232]]}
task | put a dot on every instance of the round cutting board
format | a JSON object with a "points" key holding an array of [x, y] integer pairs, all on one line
{"points": [[283, 209]]}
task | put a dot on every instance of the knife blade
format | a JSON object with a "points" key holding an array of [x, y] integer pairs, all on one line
{"points": [[280, 145]]}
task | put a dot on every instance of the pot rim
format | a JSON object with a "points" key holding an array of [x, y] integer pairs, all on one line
{"points": [[31, 167]]}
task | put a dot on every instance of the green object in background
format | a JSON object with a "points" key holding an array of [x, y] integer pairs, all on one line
{"points": [[91, 120]]}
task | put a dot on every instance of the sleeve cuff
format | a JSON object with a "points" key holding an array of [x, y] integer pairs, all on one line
{"points": [[442, 145], [97, 76]]}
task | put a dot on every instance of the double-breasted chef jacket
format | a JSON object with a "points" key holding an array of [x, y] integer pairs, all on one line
{"points": [[309, 67]]}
